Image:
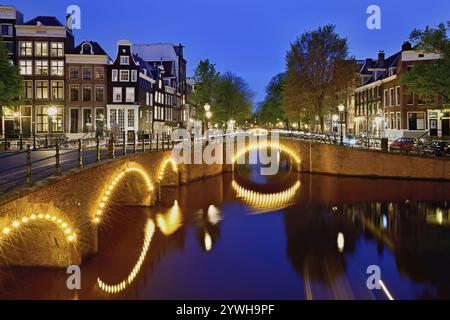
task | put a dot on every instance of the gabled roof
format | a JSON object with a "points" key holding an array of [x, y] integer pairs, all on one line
{"points": [[146, 68], [96, 48], [48, 21]]}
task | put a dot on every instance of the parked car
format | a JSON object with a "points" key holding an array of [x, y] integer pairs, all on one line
{"points": [[403, 145], [437, 148]]}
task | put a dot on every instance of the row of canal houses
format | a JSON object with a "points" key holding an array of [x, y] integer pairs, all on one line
{"points": [[78, 90]]}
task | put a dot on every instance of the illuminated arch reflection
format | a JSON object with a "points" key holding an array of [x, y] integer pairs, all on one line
{"points": [[170, 222], [266, 201], [163, 167], [119, 287]]}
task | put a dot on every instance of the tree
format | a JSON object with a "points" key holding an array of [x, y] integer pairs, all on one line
{"points": [[319, 70], [11, 82], [205, 79], [271, 109], [232, 99], [433, 78]]}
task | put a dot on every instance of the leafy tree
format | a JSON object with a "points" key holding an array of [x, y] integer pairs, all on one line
{"points": [[431, 78], [319, 70], [11, 82], [232, 99], [205, 79], [271, 109]]}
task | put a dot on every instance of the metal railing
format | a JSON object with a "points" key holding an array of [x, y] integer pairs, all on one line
{"points": [[31, 165]]}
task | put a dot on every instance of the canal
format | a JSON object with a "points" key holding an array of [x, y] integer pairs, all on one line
{"points": [[248, 236]]}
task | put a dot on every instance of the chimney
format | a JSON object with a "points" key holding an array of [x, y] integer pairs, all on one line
{"points": [[406, 46], [381, 56]]}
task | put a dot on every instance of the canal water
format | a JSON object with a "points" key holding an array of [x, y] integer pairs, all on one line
{"points": [[247, 236]]}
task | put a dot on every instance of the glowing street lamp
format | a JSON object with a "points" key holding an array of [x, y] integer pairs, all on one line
{"points": [[341, 109]]}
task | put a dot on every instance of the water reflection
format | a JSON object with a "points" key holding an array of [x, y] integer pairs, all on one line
{"points": [[202, 243]]}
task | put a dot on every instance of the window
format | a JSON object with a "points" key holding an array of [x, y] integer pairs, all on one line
{"points": [[386, 121], [41, 67], [410, 98], [130, 118], [147, 98], [397, 96], [124, 60], [57, 89], [41, 89], [74, 73], [26, 67], [134, 76], [42, 119], [416, 121], [57, 49], [124, 75], [130, 95], [399, 120], [99, 73], [391, 97], [25, 48], [87, 119], [74, 93], [87, 93], [392, 120], [99, 93], [41, 49], [386, 98], [114, 75], [421, 100], [57, 68], [87, 73], [117, 94], [7, 30], [28, 89]]}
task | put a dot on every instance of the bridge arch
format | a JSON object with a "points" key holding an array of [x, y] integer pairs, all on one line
{"points": [[268, 145], [170, 178], [111, 186]]}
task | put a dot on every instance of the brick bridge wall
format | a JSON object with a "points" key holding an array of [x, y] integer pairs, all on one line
{"points": [[76, 197]]}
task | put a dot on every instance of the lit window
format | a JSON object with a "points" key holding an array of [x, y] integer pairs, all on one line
{"points": [[57, 90], [57, 49], [26, 67], [25, 48], [124, 75], [57, 68], [41, 49], [41, 67], [41, 89]]}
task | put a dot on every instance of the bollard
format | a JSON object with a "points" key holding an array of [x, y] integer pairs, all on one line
{"points": [[134, 142], [34, 141], [157, 142], [124, 143], [143, 141], [6, 143], [80, 154], [99, 159], [21, 142], [46, 141], [29, 181], [57, 162]]}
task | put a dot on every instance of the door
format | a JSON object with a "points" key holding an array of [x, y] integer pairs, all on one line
{"points": [[74, 120], [433, 127], [25, 121], [445, 127], [9, 129]]}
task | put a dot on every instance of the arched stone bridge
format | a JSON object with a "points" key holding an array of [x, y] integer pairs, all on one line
{"points": [[56, 223]]}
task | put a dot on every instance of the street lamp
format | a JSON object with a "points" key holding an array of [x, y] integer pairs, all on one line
{"points": [[208, 113], [341, 109]]}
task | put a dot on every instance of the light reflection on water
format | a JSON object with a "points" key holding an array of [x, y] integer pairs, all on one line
{"points": [[207, 244]]}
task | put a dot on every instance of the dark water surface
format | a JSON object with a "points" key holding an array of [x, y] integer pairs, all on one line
{"points": [[216, 239]]}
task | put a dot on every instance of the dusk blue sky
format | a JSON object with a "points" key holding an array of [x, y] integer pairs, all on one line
{"points": [[247, 37]]}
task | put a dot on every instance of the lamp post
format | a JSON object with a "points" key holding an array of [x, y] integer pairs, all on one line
{"points": [[341, 109], [335, 124], [208, 115]]}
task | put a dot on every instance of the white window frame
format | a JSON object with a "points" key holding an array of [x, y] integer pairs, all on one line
{"points": [[124, 60], [398, 96], [28, 67], [115, 93], [128, 76], [128, 91], [133, 75], [115, 75]]}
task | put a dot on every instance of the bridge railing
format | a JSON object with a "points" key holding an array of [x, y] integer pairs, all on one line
{"points": [[29, 166]]}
